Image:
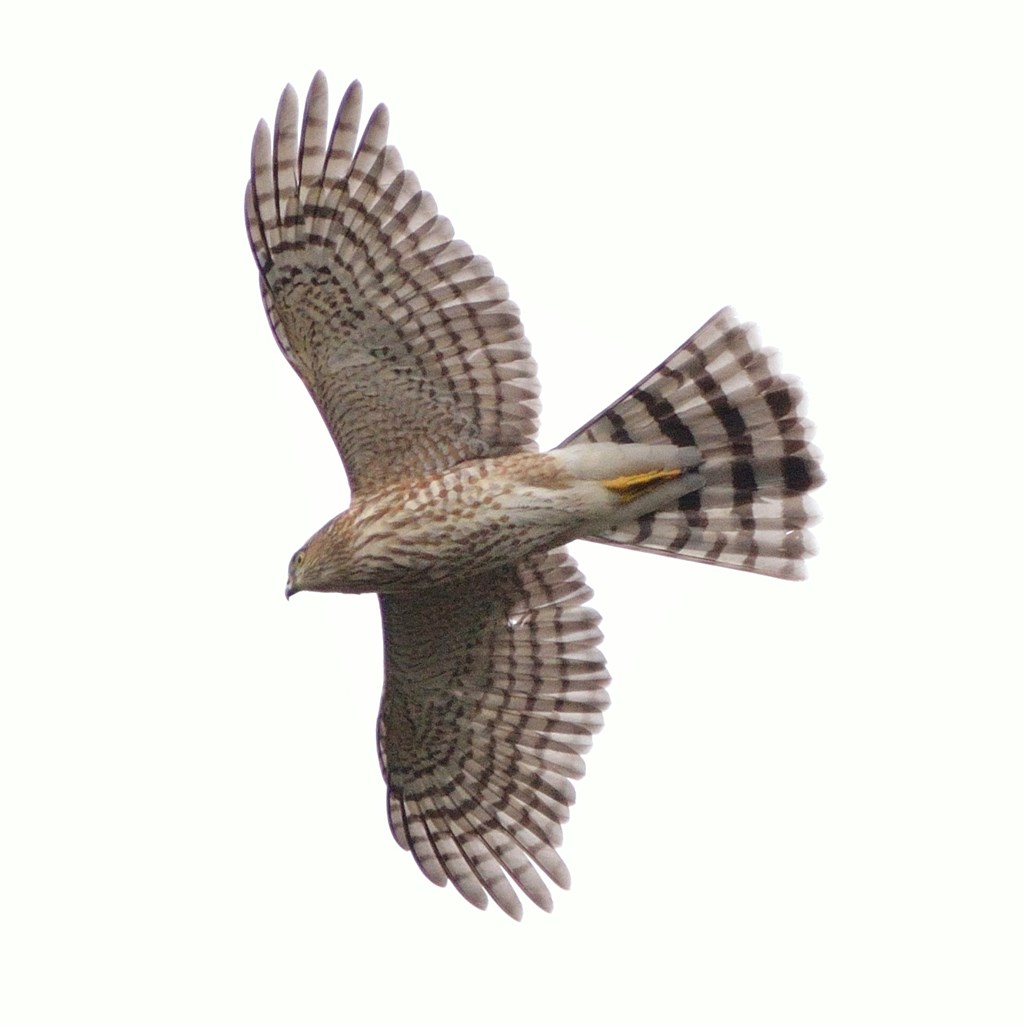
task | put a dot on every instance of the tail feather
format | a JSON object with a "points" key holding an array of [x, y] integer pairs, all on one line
{"points": [[722, 393]]}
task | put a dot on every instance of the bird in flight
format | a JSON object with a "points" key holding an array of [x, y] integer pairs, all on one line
{"points": [[416, 359]]}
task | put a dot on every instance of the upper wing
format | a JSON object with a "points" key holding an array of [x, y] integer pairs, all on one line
{"points": [[493, 689], [406, 340]]}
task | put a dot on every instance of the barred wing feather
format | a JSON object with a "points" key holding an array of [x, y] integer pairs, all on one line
{"points": [[405, 339], [493, 688]]}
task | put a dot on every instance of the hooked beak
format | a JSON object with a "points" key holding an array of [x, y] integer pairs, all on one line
{"points": [[289, 589]]}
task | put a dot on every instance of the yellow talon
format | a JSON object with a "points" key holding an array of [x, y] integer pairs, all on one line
{"points": [[632, 486]]}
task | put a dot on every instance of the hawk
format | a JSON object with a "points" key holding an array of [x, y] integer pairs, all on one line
{"points": [[416, 359]]}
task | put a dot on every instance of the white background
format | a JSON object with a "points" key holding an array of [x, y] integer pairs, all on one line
{"points": [[806, 805]]}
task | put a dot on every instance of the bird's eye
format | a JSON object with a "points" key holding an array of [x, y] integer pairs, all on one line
{"points": [[297, 559]]}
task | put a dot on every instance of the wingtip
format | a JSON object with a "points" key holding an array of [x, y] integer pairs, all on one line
{"points": [[354, 90], [261, 137], [380, 118], [289, 101], [317, 90]]}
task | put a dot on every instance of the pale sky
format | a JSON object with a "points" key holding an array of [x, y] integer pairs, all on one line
{"points": [[806, 804]]}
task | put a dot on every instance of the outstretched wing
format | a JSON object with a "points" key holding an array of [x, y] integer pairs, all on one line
{"points": [[493, 689], [406, 340]]}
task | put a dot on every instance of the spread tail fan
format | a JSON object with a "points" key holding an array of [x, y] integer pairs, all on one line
{"points": [[723, 394]]}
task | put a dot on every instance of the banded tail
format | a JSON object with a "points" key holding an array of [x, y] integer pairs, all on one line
{"points": [[722, 393]]}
